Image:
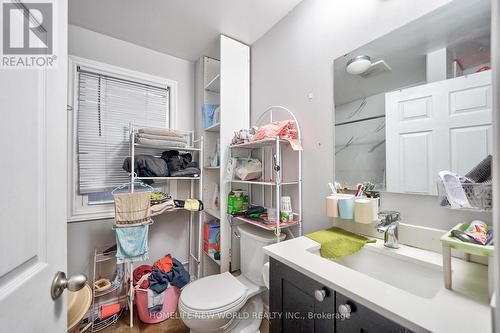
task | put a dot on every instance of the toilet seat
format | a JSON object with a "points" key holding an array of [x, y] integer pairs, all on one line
{"points": [[213, 295]]}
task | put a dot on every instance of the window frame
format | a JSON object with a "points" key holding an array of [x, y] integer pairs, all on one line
{"points": [[77, 204]]}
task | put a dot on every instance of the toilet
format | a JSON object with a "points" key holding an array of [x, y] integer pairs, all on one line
{"points": [[227, 303]]}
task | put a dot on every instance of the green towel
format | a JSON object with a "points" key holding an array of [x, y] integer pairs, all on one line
{"points": [[337, 243]]}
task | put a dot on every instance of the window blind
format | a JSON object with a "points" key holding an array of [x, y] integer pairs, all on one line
{"points": [[106, 107]]}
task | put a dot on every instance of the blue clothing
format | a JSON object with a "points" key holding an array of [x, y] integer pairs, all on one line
{"points": [[132, 244], [177, 276]]}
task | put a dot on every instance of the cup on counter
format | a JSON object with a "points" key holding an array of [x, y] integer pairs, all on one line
{"points": [[346, 207], [366, 210]]}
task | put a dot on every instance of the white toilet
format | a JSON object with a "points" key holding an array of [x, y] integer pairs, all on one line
{"points": [[225, 303]]}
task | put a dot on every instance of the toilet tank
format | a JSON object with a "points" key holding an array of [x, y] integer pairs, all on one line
{"points": [[252, 257]]}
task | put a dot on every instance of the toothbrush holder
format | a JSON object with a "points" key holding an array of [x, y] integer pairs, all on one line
{"points": [[366, 210], [346, 207]]}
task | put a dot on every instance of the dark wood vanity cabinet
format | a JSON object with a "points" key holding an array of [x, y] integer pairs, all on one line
{"points": [[298, 303]]}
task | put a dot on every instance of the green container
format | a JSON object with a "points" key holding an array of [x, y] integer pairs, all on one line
{"points": [[237, 201]]}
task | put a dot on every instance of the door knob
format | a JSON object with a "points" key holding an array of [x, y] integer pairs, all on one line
{"points": [[60, 282], [320, 295]]}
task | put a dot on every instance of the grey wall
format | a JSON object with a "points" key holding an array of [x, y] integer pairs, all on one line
{"points": [[295, 59], [169, 233]]}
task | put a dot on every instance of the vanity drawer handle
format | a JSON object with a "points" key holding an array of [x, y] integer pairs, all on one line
{"points": [[345, 310], [320, 295]]}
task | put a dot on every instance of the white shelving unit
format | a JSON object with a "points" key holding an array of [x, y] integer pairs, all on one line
{"points": [[223, 79], [195, 147], [211, 95], [272, 175]]}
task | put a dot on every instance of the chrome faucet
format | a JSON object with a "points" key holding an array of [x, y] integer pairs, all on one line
{"points": [[389, 222]]}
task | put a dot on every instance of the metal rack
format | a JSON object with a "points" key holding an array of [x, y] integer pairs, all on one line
{"points": [[111, 294], [276, 183], [194, 146]]}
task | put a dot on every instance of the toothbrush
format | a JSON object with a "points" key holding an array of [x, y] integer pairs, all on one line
{"points": [[334, 191]]}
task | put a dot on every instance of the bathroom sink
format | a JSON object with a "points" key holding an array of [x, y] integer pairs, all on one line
{"points": [[410, 274]]}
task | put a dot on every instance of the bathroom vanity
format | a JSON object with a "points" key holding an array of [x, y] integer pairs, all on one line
{"points": [[375, 290], [307, 305]]}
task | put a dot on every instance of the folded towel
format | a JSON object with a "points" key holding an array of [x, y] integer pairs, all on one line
{"points": [[132, 209], [162, 137], [337, 243], [160, 143], [132, 244], [162, 207], [159, 131]]}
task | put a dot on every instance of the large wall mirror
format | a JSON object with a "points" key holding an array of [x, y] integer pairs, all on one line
{"points": [[416, 101]]}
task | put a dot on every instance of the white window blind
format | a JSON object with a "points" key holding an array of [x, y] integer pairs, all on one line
{"points": [[106, 107]]}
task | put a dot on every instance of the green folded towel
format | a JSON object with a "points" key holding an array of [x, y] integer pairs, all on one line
{"points": [[337, 243]]}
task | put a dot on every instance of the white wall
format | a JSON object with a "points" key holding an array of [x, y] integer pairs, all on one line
{"points": [[95, 46], [169, 233], [295, 58]]}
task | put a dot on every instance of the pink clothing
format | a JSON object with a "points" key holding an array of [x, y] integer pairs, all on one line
{"points": [[284, 129]]}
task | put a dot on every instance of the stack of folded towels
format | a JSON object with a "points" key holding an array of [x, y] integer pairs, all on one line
{"points": [[161, 138]]}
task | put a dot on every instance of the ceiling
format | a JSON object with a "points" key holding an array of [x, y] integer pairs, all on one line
{"points": [[182, 28], [463, 27]]}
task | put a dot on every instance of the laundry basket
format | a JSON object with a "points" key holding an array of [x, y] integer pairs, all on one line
{"points": [[171, 297]]}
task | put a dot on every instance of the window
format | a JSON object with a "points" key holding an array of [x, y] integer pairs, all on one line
{"points": [[106, 100]]}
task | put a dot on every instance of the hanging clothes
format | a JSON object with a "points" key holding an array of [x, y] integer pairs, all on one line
{"points": [[132, 244]]}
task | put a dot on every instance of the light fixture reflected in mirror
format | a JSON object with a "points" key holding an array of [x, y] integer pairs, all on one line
{"points": [[358, 65]]}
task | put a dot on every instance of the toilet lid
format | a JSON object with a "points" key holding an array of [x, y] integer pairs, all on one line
{"points": [[213, 292]]}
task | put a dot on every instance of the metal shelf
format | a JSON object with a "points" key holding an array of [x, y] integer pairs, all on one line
{"points": [[194, 251], [263, 182], [140, 145], [168, 178], [261, 225], [258, 144]]}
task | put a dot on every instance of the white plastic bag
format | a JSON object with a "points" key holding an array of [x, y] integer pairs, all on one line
{"points": [[248, 169]]}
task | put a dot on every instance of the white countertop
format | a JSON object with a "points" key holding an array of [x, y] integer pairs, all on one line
{"points": [[463, 309]]}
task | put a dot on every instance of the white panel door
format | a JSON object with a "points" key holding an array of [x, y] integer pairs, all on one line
{"points": [[235, 115], [454, 117], [33, 197]]}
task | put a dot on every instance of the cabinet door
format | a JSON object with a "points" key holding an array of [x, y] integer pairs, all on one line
{"points": [[293, 305], [363, 320]]}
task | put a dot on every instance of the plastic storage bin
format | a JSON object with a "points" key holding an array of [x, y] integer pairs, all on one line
{"points": [[479, 195], [170, 300]]}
